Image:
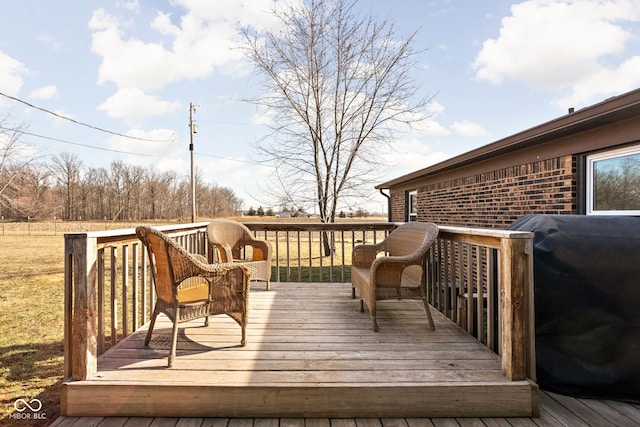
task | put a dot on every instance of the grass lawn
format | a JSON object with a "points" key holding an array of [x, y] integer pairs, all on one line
{"points": [[31, 324]]}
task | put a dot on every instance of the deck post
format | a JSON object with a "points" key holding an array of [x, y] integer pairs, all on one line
{"points": [[514, 271], [80, 307]]}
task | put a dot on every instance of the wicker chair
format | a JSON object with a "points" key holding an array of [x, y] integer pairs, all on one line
{"points": [[231, 241], [399, 273], [189, 288]]}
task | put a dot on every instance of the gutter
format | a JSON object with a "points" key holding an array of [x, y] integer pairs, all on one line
{"points": [[388, 203]]}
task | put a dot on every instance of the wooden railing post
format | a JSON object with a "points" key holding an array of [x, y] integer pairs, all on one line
{"points": [[80, 307], [514, 271]]}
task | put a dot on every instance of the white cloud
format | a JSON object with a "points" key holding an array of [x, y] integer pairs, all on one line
{"points": [[156, 148], [412, 154], [428, 125], [18, 151], [604, 82], [133, 105], [131, 5], [131, 63], [564, 45], [51, 41], [101, 20], [45, 92], [195, 39], [468, 128], [59, 121], [435, 107], [190, 46], [12, 72]]}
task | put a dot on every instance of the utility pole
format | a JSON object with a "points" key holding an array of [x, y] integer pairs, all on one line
{"points": [[192, 130]]}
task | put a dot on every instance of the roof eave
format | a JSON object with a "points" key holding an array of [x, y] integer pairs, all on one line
{"points": [[612, 109]]}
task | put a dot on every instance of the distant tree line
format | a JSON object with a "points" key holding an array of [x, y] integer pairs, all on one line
{"points": [[617, 184], [65, 189]]}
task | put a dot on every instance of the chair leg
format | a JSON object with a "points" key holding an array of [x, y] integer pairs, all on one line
{"points": [[432, 326], [372, 312], [147, 340], [268, 285], [174, 339], [353, 292], [374, 322]]}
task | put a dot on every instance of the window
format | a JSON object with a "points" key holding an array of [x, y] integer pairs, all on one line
{"points": [[613, 182], [412, 206]]}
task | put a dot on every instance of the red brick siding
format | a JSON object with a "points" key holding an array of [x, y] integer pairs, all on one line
{"points": [[495, 199], [398, 206]]}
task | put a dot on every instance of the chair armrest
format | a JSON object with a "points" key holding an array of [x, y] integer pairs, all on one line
{"points": [[387, 270], [200, 258], [364, 255], [261, 250], [223, 249]]}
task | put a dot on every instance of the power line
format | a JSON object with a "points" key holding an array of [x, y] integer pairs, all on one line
{"points": [[249, 162], [81, 123], [77, 143]]}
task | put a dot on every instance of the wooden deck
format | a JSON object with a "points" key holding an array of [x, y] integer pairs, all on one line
{"points": [[310, 354], [555, 410]]}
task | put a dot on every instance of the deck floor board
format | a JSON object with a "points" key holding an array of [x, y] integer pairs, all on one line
{"points": [[306, 342], [308, 334]]}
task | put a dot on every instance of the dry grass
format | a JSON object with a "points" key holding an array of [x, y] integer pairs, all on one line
{"points": [[31, 324], [31, 314]]}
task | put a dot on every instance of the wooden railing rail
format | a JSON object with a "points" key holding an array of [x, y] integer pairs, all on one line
{"points": [[482, 279], [297, 248], [479, 278]]}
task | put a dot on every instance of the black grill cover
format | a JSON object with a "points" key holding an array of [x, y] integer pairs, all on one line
{"points": [[587, 304]]}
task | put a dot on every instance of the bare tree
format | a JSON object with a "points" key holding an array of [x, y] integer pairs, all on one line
{"points": [[30, 189], [66, 169], [159, 186], [32, 183], [15, 156], [617, 184], [337, 85]]}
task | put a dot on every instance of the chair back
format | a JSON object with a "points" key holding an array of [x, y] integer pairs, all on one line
{"points": [[230, 232], [158, 245], [410, 238]]}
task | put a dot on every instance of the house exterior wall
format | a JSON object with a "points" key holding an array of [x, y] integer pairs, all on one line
{"points": [[398, 206], [542, 170], [496, 198]]}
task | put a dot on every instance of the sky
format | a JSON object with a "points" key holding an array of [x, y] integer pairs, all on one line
{"points": [[133, 67]]}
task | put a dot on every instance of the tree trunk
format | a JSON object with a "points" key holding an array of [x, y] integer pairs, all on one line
{"points": [[327, 244]]}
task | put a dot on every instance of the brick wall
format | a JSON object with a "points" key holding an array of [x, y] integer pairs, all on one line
{"points": [[495, 199], [398, 206]]}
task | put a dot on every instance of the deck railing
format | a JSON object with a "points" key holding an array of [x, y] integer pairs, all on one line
{"points": [[109, 292], [482, 279]]}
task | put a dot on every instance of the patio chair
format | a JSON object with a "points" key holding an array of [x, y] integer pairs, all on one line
{"points": [[231, 241], [188, 288], [398, 273]]}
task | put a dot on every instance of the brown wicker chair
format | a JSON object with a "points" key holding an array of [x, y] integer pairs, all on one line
{"points": [[399, 273], [189, 288], [231, 241]]}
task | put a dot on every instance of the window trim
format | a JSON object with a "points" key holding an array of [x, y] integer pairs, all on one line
{"points": [[411, 216], [591, 159]]}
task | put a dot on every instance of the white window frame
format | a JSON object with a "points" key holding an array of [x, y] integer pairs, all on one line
{"points": [[412, 216], [591, 160]]}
